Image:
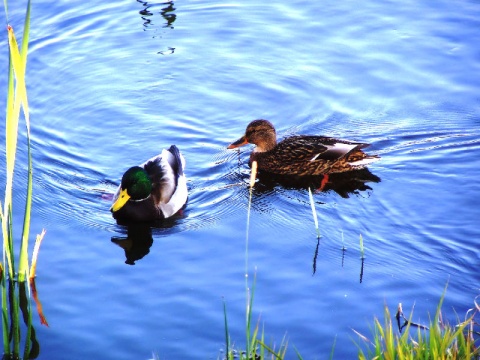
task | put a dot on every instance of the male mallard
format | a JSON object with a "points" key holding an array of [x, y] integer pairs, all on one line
{"points": [[303, 154], [155, 190]]}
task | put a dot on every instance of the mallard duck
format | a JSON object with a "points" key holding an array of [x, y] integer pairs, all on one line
{"points": [[302, 155], [155, 190]]}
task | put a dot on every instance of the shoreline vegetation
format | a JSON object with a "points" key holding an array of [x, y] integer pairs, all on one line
{"points": [[438, 340]]}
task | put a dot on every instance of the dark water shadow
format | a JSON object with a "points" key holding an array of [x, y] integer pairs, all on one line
{"points": [[137, 243], [139, 237], [344, 184]]}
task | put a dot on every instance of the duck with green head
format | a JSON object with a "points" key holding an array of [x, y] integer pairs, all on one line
{"points": [[155, 190]]}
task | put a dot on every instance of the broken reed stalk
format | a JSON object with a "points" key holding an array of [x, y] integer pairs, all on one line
{"points": [[36, 248], [362, 250], [314, 212]]}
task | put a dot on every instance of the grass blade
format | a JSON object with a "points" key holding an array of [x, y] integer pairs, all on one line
{"points": [[227, 336]]}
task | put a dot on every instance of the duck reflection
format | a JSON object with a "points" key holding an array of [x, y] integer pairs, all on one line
{"points": [[137, 243], [168, 15], [344, 184], [166, 12]]}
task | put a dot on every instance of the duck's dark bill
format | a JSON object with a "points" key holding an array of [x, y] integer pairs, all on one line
{"points": [[240, 142]]}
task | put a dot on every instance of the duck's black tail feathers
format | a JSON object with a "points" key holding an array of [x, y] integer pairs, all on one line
{"points": [[177, 166]]}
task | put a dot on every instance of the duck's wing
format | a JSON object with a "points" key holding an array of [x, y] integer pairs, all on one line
{"points": [[316, 148], [168, 180], [307, 155]]}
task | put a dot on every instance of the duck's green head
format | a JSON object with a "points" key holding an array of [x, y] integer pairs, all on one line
{"points": [[136, 185]]}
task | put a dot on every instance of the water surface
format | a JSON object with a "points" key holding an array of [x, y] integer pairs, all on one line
{"points": [[111, 84]]}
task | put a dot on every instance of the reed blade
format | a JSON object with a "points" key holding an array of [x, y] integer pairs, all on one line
{"points": [[362, 249], [227, 336], [19, 69], [249, 298]]}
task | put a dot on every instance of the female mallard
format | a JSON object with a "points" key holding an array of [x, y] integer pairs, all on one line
{"points": [[152, 191], [303, 154]]}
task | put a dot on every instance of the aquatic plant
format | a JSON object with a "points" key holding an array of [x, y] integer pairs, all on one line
{"points": [[16, 283], [438, 340], [314, 212], [362, 249], [255, 345]]}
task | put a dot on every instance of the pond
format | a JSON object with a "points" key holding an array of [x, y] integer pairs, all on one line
{"points": [[113, 83]]}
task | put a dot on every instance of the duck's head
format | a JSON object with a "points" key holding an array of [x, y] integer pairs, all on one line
{"points": [[259, 132], [136, 185]]}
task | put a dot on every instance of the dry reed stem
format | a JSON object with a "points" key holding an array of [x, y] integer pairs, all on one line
{"points": [[253, 174], [43, 319], [36, 248]]}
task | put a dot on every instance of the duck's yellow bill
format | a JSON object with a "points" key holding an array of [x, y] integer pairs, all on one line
{"points": [[123, 197]]}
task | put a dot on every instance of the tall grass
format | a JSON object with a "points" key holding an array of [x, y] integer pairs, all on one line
{"points": [[15, 289]]}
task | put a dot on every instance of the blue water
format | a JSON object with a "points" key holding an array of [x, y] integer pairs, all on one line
{"points": [[111, 84]]}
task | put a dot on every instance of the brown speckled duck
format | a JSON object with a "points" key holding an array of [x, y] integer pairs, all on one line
{"points": [[302, 155]]}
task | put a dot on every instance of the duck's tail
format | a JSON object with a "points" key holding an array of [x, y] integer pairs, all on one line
{"points": [[179, 164], [358, 159]]}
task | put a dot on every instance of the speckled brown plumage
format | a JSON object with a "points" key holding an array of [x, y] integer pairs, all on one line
{"points": [[302, 155]]}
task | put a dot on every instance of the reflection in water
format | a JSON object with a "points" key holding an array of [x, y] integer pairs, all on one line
{"points": [[139, 237], [25, 307], [315, 255], [361, 270], [168, 15], [166, 11], [137, 243], [344, 249], [19, 300], [343, 184]]}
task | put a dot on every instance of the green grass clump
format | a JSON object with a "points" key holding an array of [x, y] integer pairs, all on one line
{"points": [[440, 340], [256, 347]]}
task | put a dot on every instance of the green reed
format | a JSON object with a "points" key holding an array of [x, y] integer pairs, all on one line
{"points": [[15, 288]]}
